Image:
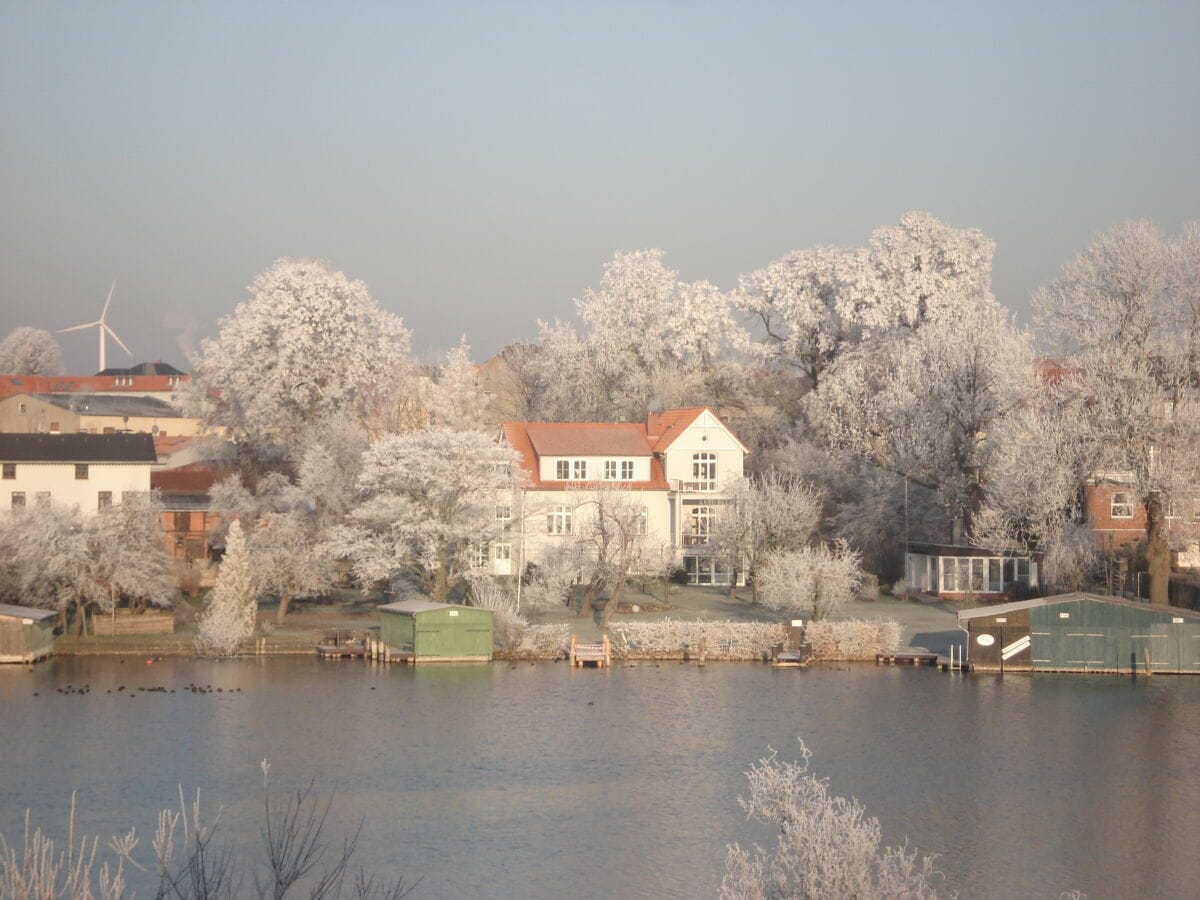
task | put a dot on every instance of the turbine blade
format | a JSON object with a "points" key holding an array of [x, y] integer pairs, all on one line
{"points": [[80, 327], [118, 340], [108, 301]]}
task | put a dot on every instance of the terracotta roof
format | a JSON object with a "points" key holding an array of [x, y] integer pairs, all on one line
{"points": [[86, 384], [587, 439], [663, 429], [166, 444], [78, 448], [196, 478], [517, 435]]}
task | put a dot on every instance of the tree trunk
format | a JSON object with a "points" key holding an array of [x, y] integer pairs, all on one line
{"points": [[1158, 550], [613, 600], [589, 594], [733, 579], [441, 583], [285, 600]]}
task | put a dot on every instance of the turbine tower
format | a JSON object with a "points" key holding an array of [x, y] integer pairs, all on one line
{"points": [[102, 327]]}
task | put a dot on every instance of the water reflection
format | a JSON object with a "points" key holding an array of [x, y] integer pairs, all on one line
{"points": [[515, 780]]}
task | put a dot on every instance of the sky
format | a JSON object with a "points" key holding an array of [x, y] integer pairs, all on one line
{"points": [[477, 164]]}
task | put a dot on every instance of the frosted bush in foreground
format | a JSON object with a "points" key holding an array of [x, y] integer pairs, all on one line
{"points": [[827, 847], [508, 625], [854, 639]]}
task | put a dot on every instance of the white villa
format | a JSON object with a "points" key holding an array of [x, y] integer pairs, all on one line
{"points": [[677, 468], [90, 471]]}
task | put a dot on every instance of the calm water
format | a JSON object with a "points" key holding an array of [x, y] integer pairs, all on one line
{"points": [[517, 780]]}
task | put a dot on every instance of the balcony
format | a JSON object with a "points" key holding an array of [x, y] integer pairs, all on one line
{"points": [[693, 487], [695, 540]]}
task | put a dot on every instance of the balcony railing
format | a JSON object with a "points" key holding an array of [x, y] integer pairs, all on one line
{"points": [[695, 540], [698, 487]]}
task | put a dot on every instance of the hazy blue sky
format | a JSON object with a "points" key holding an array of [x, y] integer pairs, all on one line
{"points": [[476, 165]]}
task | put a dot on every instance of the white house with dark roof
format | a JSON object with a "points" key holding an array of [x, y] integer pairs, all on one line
{"points": [[677, 468], [90, 471]]}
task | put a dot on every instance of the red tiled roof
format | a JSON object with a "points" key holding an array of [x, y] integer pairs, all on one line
{"points": [[663, 429], [195, 478], [582, 438], [11, 385], [168, 443], [587, 439]]}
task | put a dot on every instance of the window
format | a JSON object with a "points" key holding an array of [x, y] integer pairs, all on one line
{"points": [[558, 520], [477, 556], [55, 428], [21, 408], [504, 513], [502, 551], [81, 471], [699, 525], [704, 471], [10, 470], [571, 469], [183, 522], [1121, 505], [42, 498], [618, 468], [18, 499], [103, 499], [705, 570]]}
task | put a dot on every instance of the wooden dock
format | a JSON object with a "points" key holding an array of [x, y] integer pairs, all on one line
{"points": [[790, 659], [906, 659], [598, 655]]}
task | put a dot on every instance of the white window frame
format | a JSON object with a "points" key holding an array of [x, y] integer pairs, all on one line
{"points": [[1114, 504], [558, 520], [579, 470], [502, 551], [562, 470], [627, 470], [503, 512], [610, 470], [704, 471]]}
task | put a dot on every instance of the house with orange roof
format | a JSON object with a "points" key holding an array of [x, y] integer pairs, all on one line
{"points": [[676, 469]]}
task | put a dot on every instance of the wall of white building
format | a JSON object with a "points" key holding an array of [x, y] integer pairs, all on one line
{"points": [[59, 481]]}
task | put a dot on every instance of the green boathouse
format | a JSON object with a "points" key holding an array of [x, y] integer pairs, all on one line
{"points": [[437, 632], [1082, 632]]}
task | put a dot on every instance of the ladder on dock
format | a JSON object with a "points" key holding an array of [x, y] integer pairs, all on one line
{"points": [[598, 654]]}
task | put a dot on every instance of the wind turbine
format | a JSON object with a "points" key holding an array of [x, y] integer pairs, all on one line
{"points": [[103, 327]]}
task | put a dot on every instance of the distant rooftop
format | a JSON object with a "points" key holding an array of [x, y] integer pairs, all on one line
{"points": [[146, 368], [107, 405], [78, 448]]}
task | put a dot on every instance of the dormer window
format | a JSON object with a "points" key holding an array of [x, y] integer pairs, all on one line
{"points": [[618, 469], [571, 469]]}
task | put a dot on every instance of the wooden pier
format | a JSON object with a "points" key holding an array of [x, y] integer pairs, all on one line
{"points": [[598, 655], [906, 659]]}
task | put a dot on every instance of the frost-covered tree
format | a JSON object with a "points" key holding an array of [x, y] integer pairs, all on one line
{"points": [[923, 405], [1126, 308], [428, 501], [648, 341], [812, 581], [127, 556], [228, 622], [809, 307], [611, 541], [284, 529], [765, 515], [309, 348], [552, 579], [43, 555], [828, 847], [30, 351], [456, 400]]}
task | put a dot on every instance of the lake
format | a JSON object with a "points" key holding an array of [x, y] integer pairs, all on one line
{"points": [[518, 780]]}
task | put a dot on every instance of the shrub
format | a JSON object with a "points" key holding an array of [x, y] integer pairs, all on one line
{"points": [[667, 637], [853, 639]]}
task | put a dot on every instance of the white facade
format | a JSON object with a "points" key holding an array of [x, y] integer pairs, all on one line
{"points": [[89, 486], [676, 473]]}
